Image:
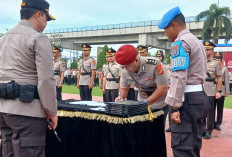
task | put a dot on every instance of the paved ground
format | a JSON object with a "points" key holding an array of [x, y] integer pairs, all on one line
{"points": [[219, 146]]}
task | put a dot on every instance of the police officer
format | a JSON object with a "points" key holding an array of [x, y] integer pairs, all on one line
{"points": [[143, 50], [111, 77], [148, 75], [185, 94], [87, 67], [59, 69], [104, 67], [159, 55], [27, 83], [212, 86], [225, 92]]}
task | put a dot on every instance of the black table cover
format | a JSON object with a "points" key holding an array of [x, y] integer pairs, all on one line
{"points": [[91, 134]]}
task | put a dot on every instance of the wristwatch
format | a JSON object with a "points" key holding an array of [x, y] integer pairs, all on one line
{"points": [[61, 83], [174, 109], [219, 91]]}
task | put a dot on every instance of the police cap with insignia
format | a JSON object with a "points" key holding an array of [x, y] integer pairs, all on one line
{"points": [[159, 53], [38, 4], [126, 54], [142, 48], [209, 45], [85, 47], [168, 17], [110, 52], [218, 55], [56, 49]]}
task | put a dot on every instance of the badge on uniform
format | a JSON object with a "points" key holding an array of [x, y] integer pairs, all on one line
{"points": [[160, 69], [180, 59], [143, 68]]}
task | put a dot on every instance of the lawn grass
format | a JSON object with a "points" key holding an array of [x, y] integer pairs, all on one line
{"points": [[228, 102], [72, 89]]}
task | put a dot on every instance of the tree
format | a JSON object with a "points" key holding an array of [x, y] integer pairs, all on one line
{"points": [[74, 64], [102, 57], [216, 23]]}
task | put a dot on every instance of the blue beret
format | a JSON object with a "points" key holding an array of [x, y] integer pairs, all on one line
{"points": [[168, 17]]}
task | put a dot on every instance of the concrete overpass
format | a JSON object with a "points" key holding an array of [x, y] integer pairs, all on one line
{"points": [[145, 33]]}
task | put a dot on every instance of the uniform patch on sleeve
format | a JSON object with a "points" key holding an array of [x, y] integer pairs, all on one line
{"points": [[94, 61], [160, 69]]}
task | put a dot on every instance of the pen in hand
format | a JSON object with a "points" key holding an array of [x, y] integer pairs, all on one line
{"points": [[49, 123]]}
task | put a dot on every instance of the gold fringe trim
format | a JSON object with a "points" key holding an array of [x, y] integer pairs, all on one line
{"points": [[107, 118]]}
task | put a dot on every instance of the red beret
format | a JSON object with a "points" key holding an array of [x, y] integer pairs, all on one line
{"points": [[126, 54]]}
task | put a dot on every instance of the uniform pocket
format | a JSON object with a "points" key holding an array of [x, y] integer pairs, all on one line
{"points": [[32, 146], [181, 136]]}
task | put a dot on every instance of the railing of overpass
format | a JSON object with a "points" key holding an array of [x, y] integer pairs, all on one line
{"points": [[113, 26]]}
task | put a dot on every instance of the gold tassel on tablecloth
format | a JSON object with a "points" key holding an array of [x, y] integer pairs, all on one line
{"points": [[110, 119]]}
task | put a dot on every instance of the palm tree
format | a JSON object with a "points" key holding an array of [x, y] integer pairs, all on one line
{"points": [[217, 22]]}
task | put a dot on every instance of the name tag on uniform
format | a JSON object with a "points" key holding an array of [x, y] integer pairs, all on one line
{"points": [[180, 59]]}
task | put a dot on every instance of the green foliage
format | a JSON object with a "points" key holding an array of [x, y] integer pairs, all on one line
{"points": [[1, 35], [74, 64], [216, 23], [102, 57], [168, 58]]}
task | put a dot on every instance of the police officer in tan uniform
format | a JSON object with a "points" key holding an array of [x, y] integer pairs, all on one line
{"points": [[27, 84], [149, 76], [185, 94], [225, 92], [86, 74], [159, 55], [212, 86], [111, 77], [59, 69], [102, 76]]}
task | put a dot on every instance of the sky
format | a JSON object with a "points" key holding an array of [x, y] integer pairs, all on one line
{"points": [[80, 13]]}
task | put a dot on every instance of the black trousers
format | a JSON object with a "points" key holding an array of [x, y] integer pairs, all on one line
{"points": [[187, 136], [85, 93], [22, 136], [136, 94], [131, 94], [58, 93], [209, 120], [219, 103], [230, 88], [104, 97], [111, 95]]}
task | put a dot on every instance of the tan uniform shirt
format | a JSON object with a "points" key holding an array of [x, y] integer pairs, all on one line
{"points": [[225, 81], [116, 70], [214, 70], [230, 76], [59, 65], [194, 75], [26, 57], [151, 74], [89, 64]]}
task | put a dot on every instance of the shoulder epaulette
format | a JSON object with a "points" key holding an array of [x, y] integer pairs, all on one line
{"points": [[151, 61]]}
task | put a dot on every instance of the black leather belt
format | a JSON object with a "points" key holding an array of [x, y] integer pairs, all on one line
{"points": [[56, 72], [12, 90], [86, 74], [112, 79], [146, 93]]}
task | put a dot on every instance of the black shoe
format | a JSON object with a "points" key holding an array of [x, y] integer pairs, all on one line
{"points": [[168, 130], [207, 136], [203, 133], [218, 127]]}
